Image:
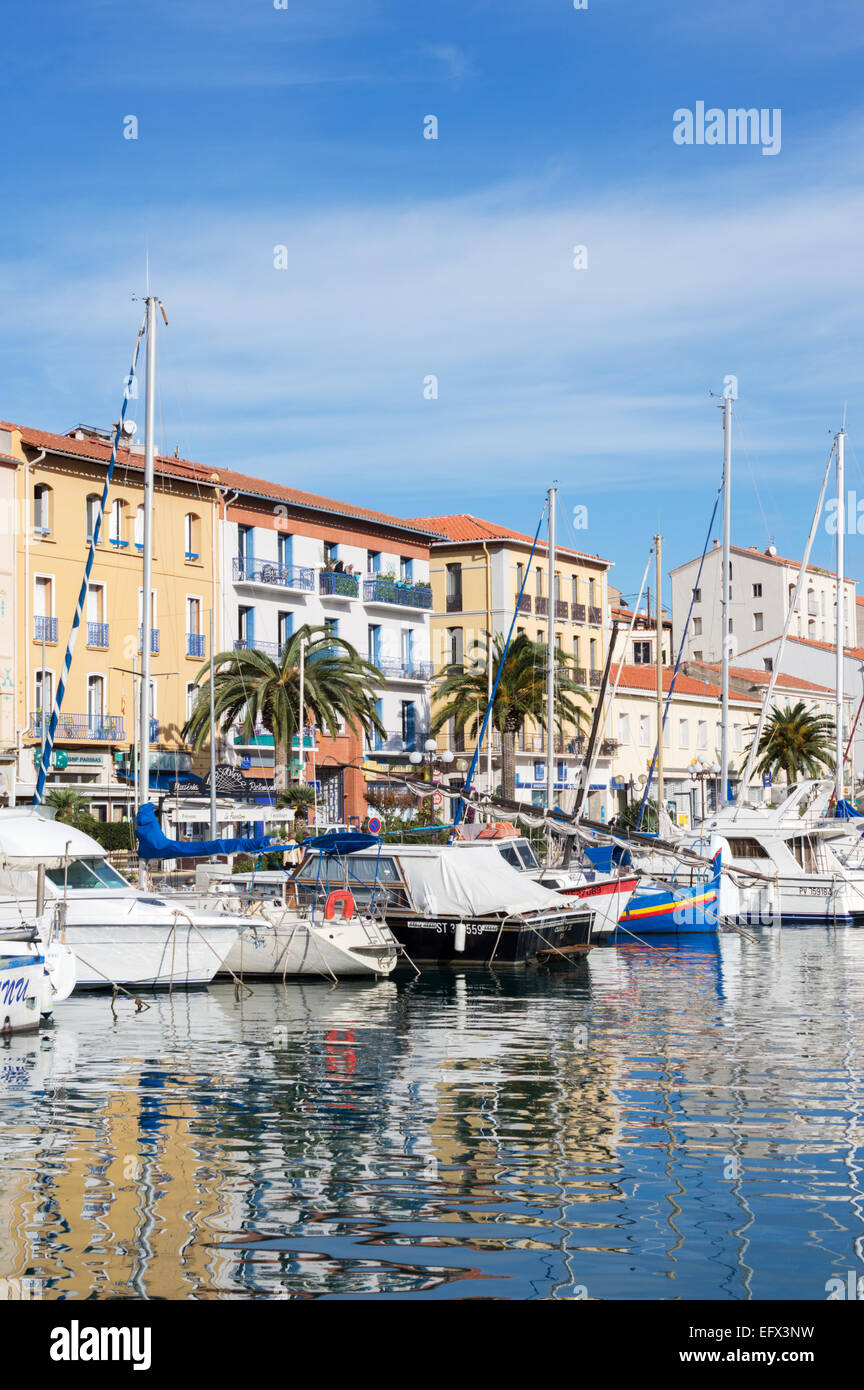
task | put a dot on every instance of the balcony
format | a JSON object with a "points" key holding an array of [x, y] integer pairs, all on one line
{"points": [[154, 639], [271, 649], [577, 612], [97, 634], [272, 573], [397, 743], [394, 591], [524, 603], [83, 728], [196, 645], [335, 584], [562, 609], [541, 606], [609, 746], [405, 671], [595, 615], [44, 629], [579, 674], [596, 680], [454, 602]]}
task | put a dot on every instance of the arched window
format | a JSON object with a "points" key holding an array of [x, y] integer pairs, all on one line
{"points": [[117, 523], [42, 507], [92, 510], [192, 535]]}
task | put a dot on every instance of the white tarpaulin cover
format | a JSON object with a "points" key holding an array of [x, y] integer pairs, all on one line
{"points": [[473, 882], [29, 836]]}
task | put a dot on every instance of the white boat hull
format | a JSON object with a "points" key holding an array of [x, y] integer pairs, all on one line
{"points": [[24, 987], [296, 947]]}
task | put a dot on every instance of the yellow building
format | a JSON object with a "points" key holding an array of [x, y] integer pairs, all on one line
{"points": [[476, 575], [58, 483]]}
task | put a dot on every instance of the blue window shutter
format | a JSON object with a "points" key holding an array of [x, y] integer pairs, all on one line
{"points": [[409, 731], [250, 627]]}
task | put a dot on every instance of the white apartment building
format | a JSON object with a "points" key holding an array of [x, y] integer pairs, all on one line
{"points": [[290, 558], [762, 585], [692, 730]]}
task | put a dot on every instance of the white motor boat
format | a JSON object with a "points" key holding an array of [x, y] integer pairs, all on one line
{"points": [[33, 979], [788, 844], [60, 878], [284, 937]]}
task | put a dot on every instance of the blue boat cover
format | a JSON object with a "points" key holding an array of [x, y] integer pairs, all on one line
{"points": [[340, 842], [152, 844], [844, 810]]}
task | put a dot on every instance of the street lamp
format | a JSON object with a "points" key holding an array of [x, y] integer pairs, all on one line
{"points": [[700, 771]]}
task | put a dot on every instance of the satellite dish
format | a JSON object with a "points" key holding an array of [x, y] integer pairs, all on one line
{"points": [[129, 427]]}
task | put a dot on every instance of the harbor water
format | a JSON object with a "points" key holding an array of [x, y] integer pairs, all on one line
{"points": [[682, 1122]]}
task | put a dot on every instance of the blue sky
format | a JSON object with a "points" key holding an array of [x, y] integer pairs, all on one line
{"points": [[302, 127]]}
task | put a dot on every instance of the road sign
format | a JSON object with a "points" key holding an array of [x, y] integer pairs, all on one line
{"points": [[374, 825], [437, 800]]}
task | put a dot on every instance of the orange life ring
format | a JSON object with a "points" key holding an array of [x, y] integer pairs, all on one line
{"points": [[339, 895]]}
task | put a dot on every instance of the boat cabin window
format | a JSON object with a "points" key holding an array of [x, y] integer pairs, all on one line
{"points": [[510, 853], [743, 847], [518, 853], [87, 873], [806, 850]]}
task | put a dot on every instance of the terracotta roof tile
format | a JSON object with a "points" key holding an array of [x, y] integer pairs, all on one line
{"points": [[464, 527], [645, 678], [763, 677]]}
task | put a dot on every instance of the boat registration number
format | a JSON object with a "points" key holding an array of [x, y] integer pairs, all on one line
{"points": [[442, 927], [814, 892]]}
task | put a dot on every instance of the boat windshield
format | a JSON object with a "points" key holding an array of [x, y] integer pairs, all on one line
{"points": [[519, 853], [87, 873]]}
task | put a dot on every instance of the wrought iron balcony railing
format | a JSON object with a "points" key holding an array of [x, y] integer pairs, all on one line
{"points": [[154, 639], [595, 615], [596, 679], [97, 634], [524, 603], [378, 590], [577, 612], [406, 671], [541, 606], [44, 629], [271, 572], [196, 644], [86, 728], [338, 585], [561, 608]]}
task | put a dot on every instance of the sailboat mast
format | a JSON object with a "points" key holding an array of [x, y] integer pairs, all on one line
{"points": [[724, 602], [147, 577], [658, 666], [212, 731], [840, 636], [550, 658]]}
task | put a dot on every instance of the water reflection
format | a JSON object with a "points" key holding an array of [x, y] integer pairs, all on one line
{"points": [[665, 1122]]}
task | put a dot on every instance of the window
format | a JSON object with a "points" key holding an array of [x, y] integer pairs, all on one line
{"points": [[285, 550], [246, 543], [702, 733], [192, 535], [44, 691], [742, 847], [623, 728], [43, 596], [191, 698], [577, 651], [373, 561], [331, 552], [768, 663], [758, 623], [697, 595], [557, 594], [245, 626], [92, 512], [139, 528], [284, 628], [697, 656], [697, 627], [757, 590], [455, 652], [409, 724], [737, 737], [379, 739], [332, 626], [520, 578], [408, 648], [42, 509], [374, 645], [117, 522], [406, 569], [193, 617], [644, 731], [574, 588], [538, 582], [593, 650], [642, 653], [683, 733], [730, 624], [454, 588], [95, 703]]}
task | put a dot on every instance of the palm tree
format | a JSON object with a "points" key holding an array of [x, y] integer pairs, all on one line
{"points": [[253, 689], [461, 696], [796, 741], [70, 807]]}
